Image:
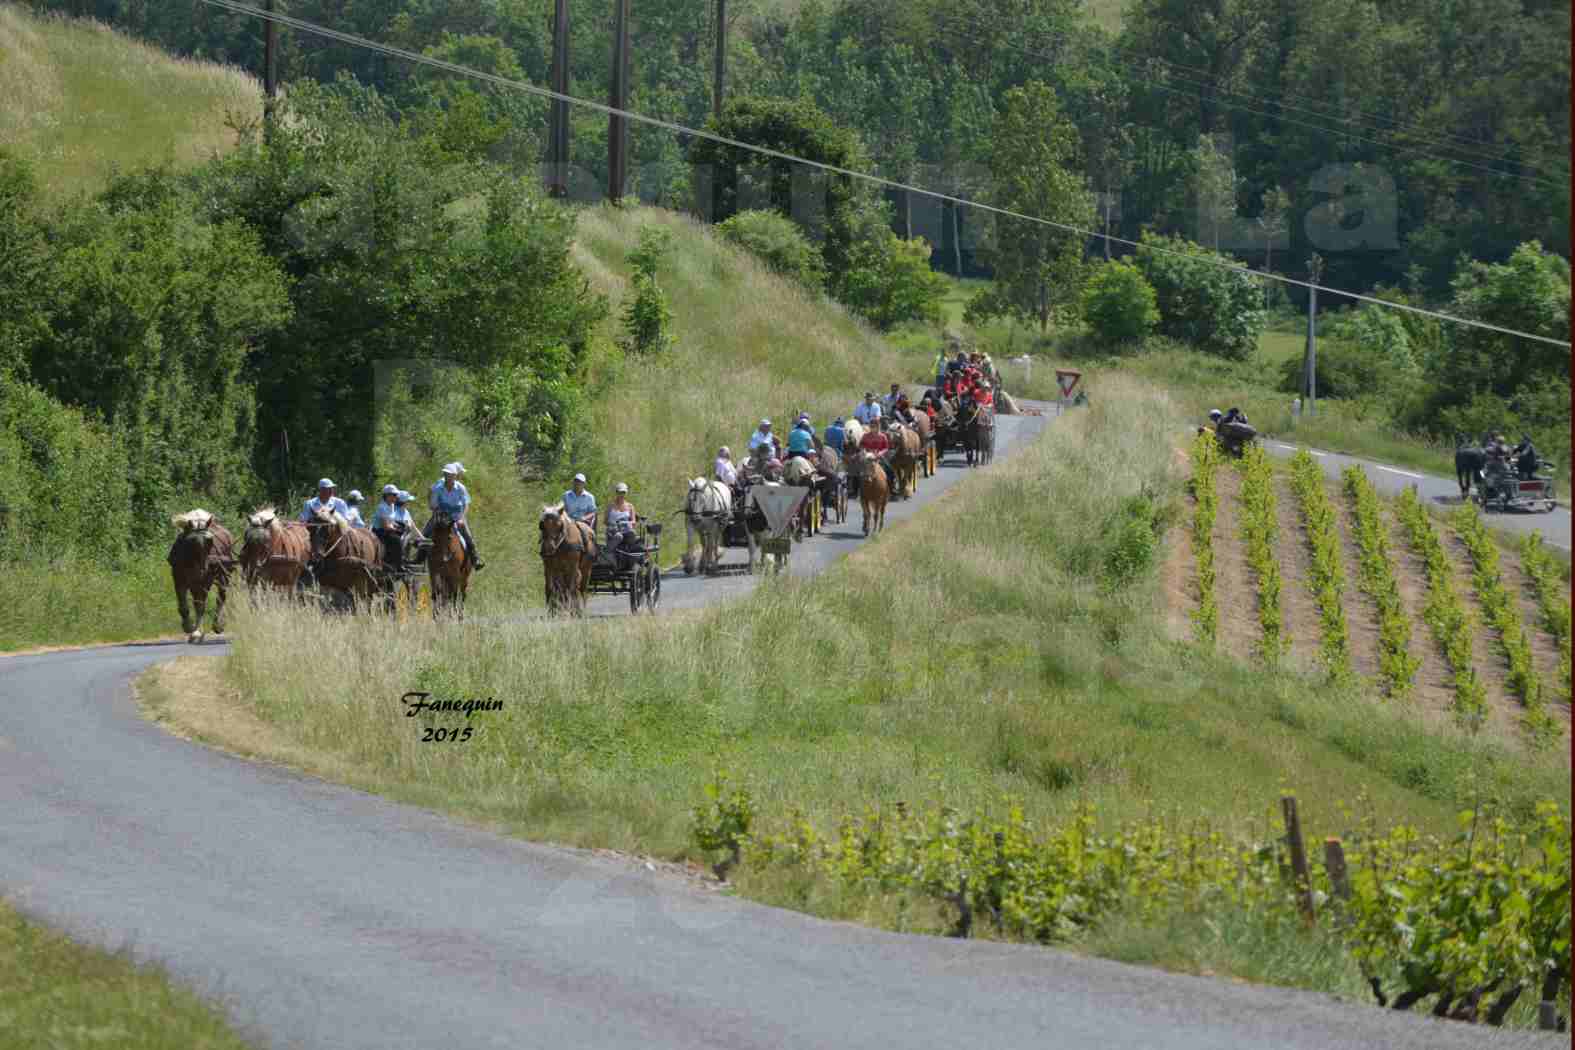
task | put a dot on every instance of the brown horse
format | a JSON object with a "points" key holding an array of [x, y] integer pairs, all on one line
{"points": [[201, 557], [274, 552], [926, 432], [349, 559], [906, 450], [568, 551], [449, 567], [872, 492]]}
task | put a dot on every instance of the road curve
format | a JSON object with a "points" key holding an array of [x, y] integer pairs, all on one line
{"points": [[1442, 492], [323, 917]]}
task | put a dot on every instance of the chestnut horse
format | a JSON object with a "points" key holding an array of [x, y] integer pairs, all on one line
{"points": [[273, 551], [449, 567], [568, 551], [201, 557], [872, 492], [906, 450], [349, 559]]}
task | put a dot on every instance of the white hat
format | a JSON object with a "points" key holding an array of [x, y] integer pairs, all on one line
{"points": [[579, 477], [326, 484], [459, 466], [451, 468], [405, 497], [390, 490], [765, 422], [355, 496], [621, 487]]}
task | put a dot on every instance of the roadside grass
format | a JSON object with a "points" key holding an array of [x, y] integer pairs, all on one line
{"points": [[949, 661], [58, 994], [53, 599], [80, 100]]}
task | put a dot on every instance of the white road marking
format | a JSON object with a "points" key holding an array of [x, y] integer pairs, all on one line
{"points": [[1392, 470], [1290, 447], [1316, 452]]}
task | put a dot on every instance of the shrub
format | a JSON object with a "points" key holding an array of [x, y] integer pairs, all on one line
{"points": [[1201, 302], [1346, 370], [889, 281], [1119, 304], [779, 243], [647, 319]]}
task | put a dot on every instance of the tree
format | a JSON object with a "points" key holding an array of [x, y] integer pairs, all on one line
{"points": [[1272, 222], [1215, 185], [1119, 305], [778, 243], [889, 281], [1205, 299], [1202, 43], [1033, 162], [24, 263]]}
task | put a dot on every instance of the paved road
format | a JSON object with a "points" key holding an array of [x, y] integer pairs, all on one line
{"points": [[1441, 492], [323, 917], [327, 918]]}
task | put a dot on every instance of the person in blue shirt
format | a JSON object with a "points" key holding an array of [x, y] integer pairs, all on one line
{"points": [[868, 410], [763, 436], [836, 436], [354, 500], [325, 498], [389, 512], [578, 503], [801, 439], [453, 498]]}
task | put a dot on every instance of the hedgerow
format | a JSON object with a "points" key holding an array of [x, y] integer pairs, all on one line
{"points": [[1396, 663], [1327, 578], [1445, 612], [1476, 919], [1504, 614], [1538, 565], [1259, 527], [1205, 461]]}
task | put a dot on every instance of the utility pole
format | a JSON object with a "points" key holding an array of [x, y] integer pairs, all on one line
{"points": [[618, 126], [721, 58], [270, 69], [1310, 359], [558, 131]]}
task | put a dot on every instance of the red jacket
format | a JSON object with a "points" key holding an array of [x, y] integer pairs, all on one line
{"points": [[875, 442]]}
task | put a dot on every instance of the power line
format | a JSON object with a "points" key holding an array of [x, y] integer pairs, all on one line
{"points": [[1279, 116], [452, 67]]}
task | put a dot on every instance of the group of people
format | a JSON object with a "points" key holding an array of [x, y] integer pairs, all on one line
{"points": [[580, 505], [391, 518], [1503, 461], [966, 376]]}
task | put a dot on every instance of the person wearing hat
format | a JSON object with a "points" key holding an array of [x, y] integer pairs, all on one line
{"points": [[451, 497], [578, 503], [901, 410], [388, 509], [762, 436], [876, 440], [723, 469], [773, 469], [801, 439], [982, 394], [325, 498], [621, 517], [868, 411], [836, 437], [354, 501], [888, 403]]}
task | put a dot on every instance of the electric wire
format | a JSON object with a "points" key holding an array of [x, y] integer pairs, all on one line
{"points": [[452, 67]]}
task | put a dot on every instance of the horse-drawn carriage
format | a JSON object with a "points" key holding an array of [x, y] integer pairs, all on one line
{"points": [[1506, 489], [1234, 437], [969, 429], [631, 567]]}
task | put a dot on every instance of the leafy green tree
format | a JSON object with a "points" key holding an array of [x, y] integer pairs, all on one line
{"points": [[826, 203], [647, 318], [24, 264], [1214, 186], [1201, 301], [1119, 306], [889, 281], [1034, 164], [779, 243]]}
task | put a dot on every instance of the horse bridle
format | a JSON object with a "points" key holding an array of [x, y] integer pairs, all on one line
{"points": [[563, 538]]}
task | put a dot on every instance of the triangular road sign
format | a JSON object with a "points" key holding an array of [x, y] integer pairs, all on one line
{"points": [[1067, 378]]}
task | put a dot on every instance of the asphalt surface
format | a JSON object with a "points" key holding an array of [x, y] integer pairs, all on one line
{"points": [[1441, 492], [323, 917]]}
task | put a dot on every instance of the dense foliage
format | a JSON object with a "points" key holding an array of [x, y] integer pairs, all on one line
{"points": [[779, 243], [1200, 301], [1119, 305]]}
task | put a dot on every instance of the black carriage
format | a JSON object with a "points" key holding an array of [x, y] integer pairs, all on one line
{"points": [[957, 435], [631, 568], [1506, 489]]}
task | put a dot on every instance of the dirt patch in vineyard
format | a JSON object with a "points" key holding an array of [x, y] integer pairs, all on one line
{"points": [[1234, 587], [1178, 575], [1299, 614], [1434, 687]]}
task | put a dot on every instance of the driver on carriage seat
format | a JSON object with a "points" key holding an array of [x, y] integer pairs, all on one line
{"points": [[621, 520], [389, 522], [1526, 460], [579, 504], [453, 499], [836, 437], [902, 410], [984, 397], [723, 468]]}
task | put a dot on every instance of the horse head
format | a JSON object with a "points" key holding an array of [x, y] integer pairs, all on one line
{"points": [[554, 529], [326, 528], [195, 540]]}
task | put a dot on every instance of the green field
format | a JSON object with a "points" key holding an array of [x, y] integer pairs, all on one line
{"points": [[57, 994], [80, 101]]}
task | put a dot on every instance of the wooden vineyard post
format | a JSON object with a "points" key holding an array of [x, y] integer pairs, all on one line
{"points": [[1293, 838], [1334, 863]]}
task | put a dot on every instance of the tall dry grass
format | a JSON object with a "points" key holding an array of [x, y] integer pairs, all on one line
{"points": [[81, 100]]}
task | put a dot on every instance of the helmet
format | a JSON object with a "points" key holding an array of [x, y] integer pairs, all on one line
{"points": [[764, 423], [390, 490], [403, 497], [326, 484], [1215, 413], [1235, 411]]}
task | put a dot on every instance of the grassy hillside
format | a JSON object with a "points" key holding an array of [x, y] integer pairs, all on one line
{"points": [[79, 100]]}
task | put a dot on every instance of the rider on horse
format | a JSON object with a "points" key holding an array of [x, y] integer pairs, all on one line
{"points": [[453, 498], [875, 440], [801, 439], [836, 437]]}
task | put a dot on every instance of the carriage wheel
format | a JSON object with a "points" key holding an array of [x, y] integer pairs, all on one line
{"points": [[814, 514], [653, 588], [636, 591]]}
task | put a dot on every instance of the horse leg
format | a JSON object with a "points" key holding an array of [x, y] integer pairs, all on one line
{"points": [[199, 605], [185, 610], [218, 610]]}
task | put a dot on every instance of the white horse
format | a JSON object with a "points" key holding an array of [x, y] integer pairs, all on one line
{"points": [[707, 509]]}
